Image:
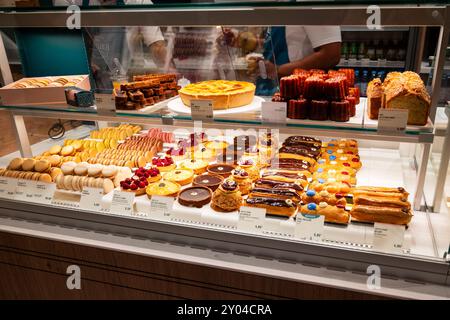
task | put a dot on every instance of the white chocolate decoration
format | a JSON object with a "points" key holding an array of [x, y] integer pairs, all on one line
{"points": [[323, 193], [343, 158], [333, 163], [323, 204], [340, 151]]}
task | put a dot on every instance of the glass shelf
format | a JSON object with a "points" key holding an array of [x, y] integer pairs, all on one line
{"points": [[359, 125]]}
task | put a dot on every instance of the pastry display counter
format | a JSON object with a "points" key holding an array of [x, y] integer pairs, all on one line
{"points": [[236, 183]]}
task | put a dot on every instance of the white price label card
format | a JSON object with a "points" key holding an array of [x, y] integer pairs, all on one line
{"points": [[251, 219], [202, 110], [7, 187], [273, 112], [25, 190], [392, 120], [122, 202], [91, 198], [161, 207], [309, 226], [388, 237], [43, 192]]}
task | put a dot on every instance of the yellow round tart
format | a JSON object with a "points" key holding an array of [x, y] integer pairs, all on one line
{"points": [[198, 165], [163, 188], [180, 176], [225, 94]]}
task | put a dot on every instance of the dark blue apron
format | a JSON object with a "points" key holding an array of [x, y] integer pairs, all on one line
{"points": [[275, 51]]}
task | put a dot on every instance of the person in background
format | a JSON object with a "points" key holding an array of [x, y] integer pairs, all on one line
{"points": [[290, 47], [111, 49]]}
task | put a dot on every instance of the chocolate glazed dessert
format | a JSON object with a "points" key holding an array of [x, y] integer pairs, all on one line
{"points": [[195, 196]]}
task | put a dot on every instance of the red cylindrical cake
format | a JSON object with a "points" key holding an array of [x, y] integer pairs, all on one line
{"points": [[298, 109], [318, 110], [339, 111], [335, 89], [350, 75], [352, 105], [290, 87], [354, 92], [314, 87]]}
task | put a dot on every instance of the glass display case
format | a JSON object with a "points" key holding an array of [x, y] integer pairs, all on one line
{"points": [[196, 124]]}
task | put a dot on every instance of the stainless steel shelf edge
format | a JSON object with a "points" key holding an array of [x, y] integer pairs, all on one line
{"points": [[394, 15], [393, 267]]}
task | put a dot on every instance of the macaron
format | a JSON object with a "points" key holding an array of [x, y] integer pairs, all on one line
{"points": [[16, 164], [45, 177], [60, 182], [28, 164], [42, 165], [108, 186], [109, 171], [67, 150], [55, 149], [75, 183], [55, 160], [68, 182], [98, 183], [67, 168], [80, 170], [95, 170]]}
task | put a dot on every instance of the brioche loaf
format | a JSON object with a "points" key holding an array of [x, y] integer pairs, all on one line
{"points": [[374, 94]]}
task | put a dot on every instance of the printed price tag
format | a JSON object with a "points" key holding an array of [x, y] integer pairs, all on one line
{"points": [[122, 202], [388, 237], [392, 120], [25, 190], [201, 110], [91, 198], [309, 226], [43, 192], [273, 112], [7, 187], [161, 207], [251, 219]]}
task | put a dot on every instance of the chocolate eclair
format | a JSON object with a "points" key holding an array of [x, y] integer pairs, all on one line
{"points": [[266, 183], [292, 164], [280, 207], [286, 174], [301, 150], [275, 193], [302, 140]]}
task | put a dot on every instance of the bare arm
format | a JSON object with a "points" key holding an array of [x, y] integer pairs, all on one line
{"points": [[324, 57], [158, 52]]}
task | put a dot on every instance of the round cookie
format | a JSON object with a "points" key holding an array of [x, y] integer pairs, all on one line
{"points": [[55, 160], [55, 149], [95, 170], [55, 172], [68, 167], [60, 181], [45, 177], [15, 164], [68, 182], [108, 186], [80, 170], [109, 171], [28, 164], [67, 151], [42, 165]]}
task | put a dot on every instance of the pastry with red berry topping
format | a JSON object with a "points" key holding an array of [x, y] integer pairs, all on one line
{"points": [[134, 184], [164, 164], [152, 174]]}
